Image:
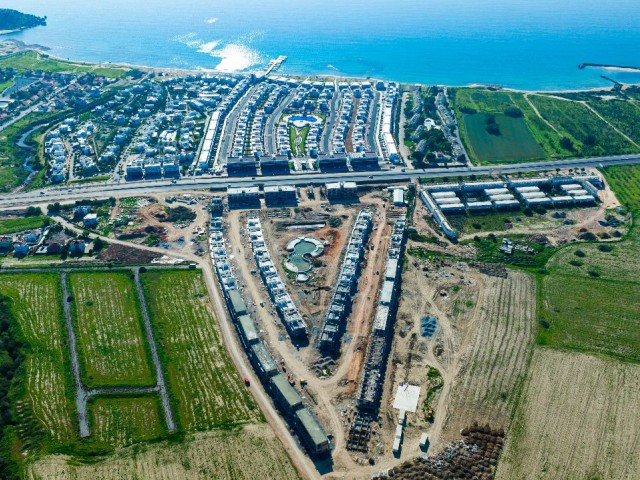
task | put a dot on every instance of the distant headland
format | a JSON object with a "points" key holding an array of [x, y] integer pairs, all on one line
{"points": [[14, 21]]}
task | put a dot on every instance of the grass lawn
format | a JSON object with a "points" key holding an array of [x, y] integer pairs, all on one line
{"points": [[46, 392], [14, 225], [118, 422], [111, 343], [203, 383], [514, 144]]}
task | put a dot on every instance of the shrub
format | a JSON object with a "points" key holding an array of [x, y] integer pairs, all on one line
{"points": [[513, 112], [567, 144], [593, 273], [605, 248], [579, 253], [576, 263]]}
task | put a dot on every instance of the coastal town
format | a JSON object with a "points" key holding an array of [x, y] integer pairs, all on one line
{"points": [[346, 277]]}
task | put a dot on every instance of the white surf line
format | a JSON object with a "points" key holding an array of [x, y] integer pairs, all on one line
{"points": [[81, 391], [161, 384]]}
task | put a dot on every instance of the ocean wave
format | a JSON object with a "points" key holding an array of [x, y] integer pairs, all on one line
{"points": [[207, 47], [212, 20], [235, 58]]}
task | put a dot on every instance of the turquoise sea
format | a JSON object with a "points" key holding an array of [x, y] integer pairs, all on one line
{"points": [[533, 44]]}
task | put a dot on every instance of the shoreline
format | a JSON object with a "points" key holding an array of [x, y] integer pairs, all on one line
{"points": [[43, 50]]}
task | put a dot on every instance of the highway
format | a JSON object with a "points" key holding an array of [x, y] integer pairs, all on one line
{"points": [[104, 190]]}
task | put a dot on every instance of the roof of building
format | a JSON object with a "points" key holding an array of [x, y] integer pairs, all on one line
{"points": [[312, 427]]}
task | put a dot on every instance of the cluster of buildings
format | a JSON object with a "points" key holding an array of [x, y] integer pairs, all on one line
{"points": [[387, 142], [167, 139], [531, 192], [284, 395], [341, 128], [208, 157], [372, 381], [244, 137], [448, 124], [347, 285], [362, 122], [22, 243], [284, 305]]}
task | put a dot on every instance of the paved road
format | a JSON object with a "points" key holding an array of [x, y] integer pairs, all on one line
{"points": [[104, 190]]}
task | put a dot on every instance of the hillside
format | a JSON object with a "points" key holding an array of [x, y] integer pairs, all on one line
{"points": [[15, 20]]}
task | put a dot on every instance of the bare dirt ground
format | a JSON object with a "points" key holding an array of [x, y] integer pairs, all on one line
{"points": [[481, 348], [577, 419], [220, 455], [150, 220]]}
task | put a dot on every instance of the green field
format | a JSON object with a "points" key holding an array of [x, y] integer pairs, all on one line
{"points": [[591, 299], [514, 144], [111, 342], [624, 115], [47, 389], [592, 315], [31, 60], [498, 221], [530, 127], [576, 122], [21, 224], [118, 422], [202, 380]]}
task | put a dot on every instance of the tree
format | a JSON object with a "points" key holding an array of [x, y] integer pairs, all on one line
{"points": [[566, 143], [590, 140], [513, 112], [33, 212]]}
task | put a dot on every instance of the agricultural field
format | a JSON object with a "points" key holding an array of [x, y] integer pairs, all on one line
{"points": [[20, 224], [495, 360], [622, 114], [577, 419], [243, 454], [118, 422], [205, 388], [472, 106], [46, 395], [111, 343], [513, 144], [589, 134]]}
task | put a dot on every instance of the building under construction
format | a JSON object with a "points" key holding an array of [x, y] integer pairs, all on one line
{"points": [[372, 380], [282, 301], [285, 397], [340, 307]]}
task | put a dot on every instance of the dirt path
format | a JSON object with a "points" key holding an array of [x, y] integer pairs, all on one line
{"points": [[303, 464], [595, 112], [153, 347], [81, 391], [535, 109], [364, 306], [318, 391]]}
